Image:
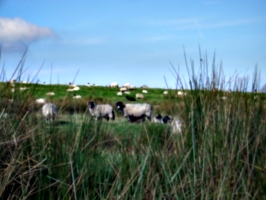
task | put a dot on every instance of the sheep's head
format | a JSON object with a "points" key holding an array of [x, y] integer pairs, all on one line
{"points": [[167, 119], [91, 104], [159, 116], [120, 106]]}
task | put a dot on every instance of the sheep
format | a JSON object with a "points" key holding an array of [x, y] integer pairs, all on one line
{"points": [[126, 85], [181, 93], [119, 94], [123, 89], [165, 92], [101, 110], [144, 91], [76, 88], [40, 101], [139, 96], [176, 125], [49, 110], [136, 110], [75, 96], [50, 93], [114, 85]]}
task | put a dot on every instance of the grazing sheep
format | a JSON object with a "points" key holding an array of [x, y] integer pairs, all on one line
{"points": [[139, 96], [181, 93], [132, 118], [126, 85], [101, 110], [49, 111], [165, 92], [131, 87], [176, 125], [130, 98], [76, 88], [114, 85], [144, 91], [50, 93], [40, 101], [119, 94], [123, 89], [75, 96], [136, 110]]}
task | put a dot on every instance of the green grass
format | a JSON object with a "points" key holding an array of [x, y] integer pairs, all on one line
{"points": [[220, 153]]}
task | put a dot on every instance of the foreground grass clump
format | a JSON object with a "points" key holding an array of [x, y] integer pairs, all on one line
{"points": [[220, 153]]}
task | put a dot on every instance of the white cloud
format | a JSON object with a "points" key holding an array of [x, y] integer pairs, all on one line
{"points": [[17, 32]]}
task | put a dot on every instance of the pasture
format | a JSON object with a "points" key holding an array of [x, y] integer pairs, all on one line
{"points": [[220, 153]]}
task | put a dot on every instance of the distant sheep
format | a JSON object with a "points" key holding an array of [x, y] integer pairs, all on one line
{"points": [[50, 93], [114, 85], [165, 92], [49, 111], [40, 101], [123, 89], [136, 110], [101, 110], [139, 96], [119, 93], [144, 91], [75, 96], [126, 85], [181, 93]]}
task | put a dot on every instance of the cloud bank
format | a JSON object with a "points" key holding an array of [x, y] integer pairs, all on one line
{"points": [[17, 33]]}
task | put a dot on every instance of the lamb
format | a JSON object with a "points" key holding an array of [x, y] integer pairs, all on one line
{"points": [[136, 110], [101, 110], [139, 96], [49, 110], [176, 125]]}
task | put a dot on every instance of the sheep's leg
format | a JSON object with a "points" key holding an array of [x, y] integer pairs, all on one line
{"points": [[107, 117]]}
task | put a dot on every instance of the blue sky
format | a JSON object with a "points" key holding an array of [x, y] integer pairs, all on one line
{"points": [[131, 41]]}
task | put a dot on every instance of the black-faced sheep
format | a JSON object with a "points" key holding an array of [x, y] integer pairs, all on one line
{"points": [[136, 110], [49, 110], [176, 125], [101, 110]]}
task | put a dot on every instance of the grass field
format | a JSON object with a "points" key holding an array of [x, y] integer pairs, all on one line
{"points": [[220, 153]]}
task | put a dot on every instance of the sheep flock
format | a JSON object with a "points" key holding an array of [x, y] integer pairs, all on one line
{"points": [[136, 111]]}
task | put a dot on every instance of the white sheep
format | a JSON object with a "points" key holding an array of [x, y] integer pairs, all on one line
{"points": [[50, 93], [49, 110], [101, 110], [40, 101], [119, 94], [126, 85], [139, 96], [123, 89], [165, 92], [75, 96], [136, 110], [144, 91], [181, 93], [114, 85]]}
